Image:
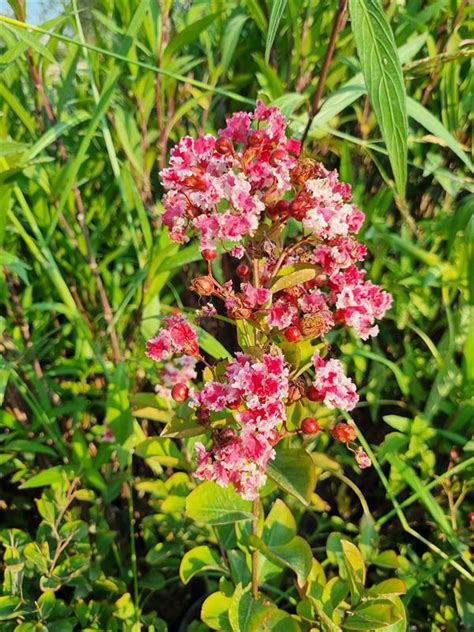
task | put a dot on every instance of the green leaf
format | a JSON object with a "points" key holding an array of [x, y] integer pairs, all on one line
{"points": [[384, 80], [411, 478], [9, 607], [280, 525], [393, 586], [210, 345], [387, 559], [188, 35], [293, 470], [47, 477], [424, 117], [374, 614], [247, 614], [28, 445], [33, 41], [119, 415], [15, 265], [55, 132], [198, 559], [293, 275], [163, 450], [214, 612], [355, 567], [295, 554], [278, 7], [182, 428], [211, 504], [230, 39]]}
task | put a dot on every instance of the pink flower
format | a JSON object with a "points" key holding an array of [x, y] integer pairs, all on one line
{"points": [[359, 303], [362, 458], [329, 215], [207, 311], [261, 389], [219, 186], [335, 389], [282, 314], [238, 252], [339, 253], [176, 336], [255, 297]]}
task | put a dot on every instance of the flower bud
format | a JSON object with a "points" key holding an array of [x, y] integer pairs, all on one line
{"points": [[362, 458], [180, 392], [313, 394], [309, 425], [224, 146], [292, 333], [257, 138], [209, 254], [242, 271]]}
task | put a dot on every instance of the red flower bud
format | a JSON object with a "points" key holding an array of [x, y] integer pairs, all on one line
{"points": [[309, 425], [180, 392], [209, 254], [257, 138], [292, 333], [195, 182], [224, 146], [242, 271], [233, 405], [312, 394], [277, 156], [279, 210]]}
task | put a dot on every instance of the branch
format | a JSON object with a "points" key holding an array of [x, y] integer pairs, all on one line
{"points": [[339, 21]]}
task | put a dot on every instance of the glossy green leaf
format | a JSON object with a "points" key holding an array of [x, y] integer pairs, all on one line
{"points": [[211, 504], [374, 614], [198, 559], [214, 612], [293, 470]]}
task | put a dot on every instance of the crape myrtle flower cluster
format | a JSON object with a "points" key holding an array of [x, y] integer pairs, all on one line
{"points": [[290, 224]]}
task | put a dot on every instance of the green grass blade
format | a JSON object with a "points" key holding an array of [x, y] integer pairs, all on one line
{"points": [[278, 8]]}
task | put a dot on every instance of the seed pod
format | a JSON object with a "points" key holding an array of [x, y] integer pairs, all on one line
{"points": [[202, 416], [203, 285], [295, 390], [313, 325], [344, 433], [223, 437]]}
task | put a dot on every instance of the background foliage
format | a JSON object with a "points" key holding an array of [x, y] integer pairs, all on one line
{"points": [[93, 531]]}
